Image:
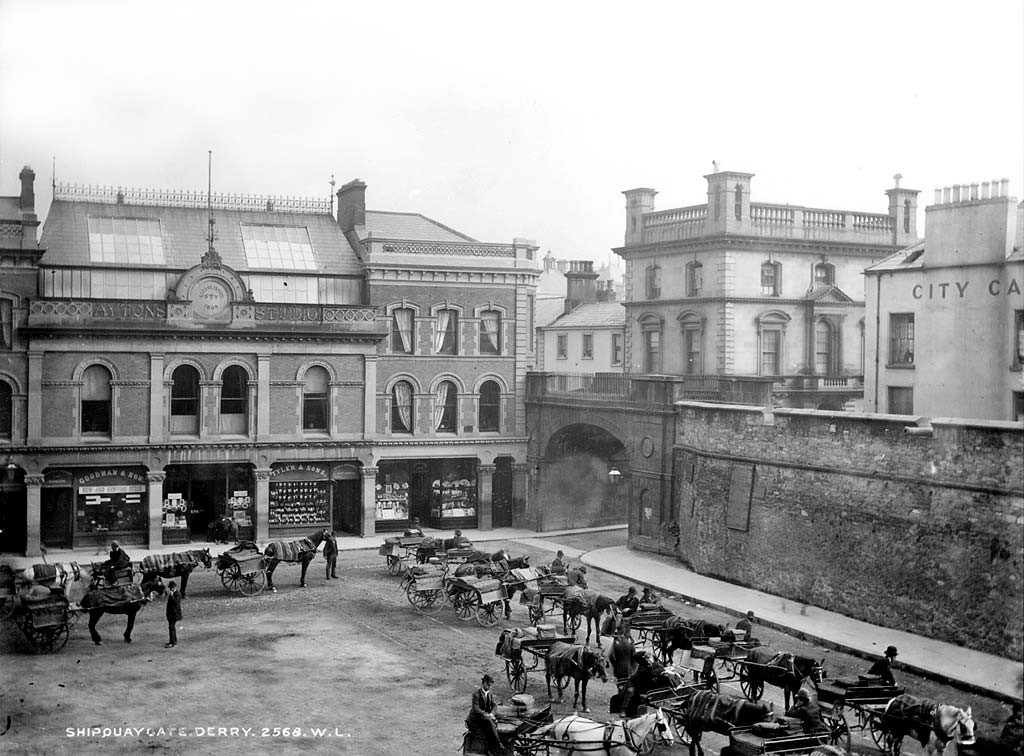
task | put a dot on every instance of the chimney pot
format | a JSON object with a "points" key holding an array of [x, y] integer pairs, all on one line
{"points": [[27, 200]]}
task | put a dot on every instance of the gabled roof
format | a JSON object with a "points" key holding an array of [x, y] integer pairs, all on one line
{"points": [[409, 226], [828, 292], [906, 258], [547, 309], [593, 315], [183, 230]]}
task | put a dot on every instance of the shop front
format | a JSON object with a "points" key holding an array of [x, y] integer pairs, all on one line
{"points": [[111, 503], [301, 499], [196, 495], [442, 493]]}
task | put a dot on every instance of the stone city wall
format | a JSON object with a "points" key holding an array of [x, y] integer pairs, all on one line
{"points": [[920, 529]]}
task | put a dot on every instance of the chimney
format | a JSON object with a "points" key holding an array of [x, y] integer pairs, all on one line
{"points": [[352, 205], [580, 286], [968, 227], [28, 194]]}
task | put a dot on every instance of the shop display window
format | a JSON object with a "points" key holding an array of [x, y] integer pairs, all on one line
{"points": [[111, 508], [174, 510], [299, 502], [453, 497], [392, 495]]}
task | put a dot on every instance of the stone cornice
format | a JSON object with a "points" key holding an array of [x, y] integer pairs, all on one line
{"points": [[105, 332], [458, 441]]}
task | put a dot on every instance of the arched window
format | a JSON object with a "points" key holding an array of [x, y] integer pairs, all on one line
{"points": [[771, 333], [694, 279], [823, 349], [490, 332], [653, 281], [6, 410], [234, 400], [490, 406], [402, 320], [446, 398], [316, 384], [96, 400], [771, 279], [185, 400], [739, 201], [401, 407], [825, 273], [446, 332]]}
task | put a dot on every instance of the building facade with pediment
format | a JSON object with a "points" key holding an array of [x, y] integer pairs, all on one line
{"points": [[735, 287], [175, 357]]}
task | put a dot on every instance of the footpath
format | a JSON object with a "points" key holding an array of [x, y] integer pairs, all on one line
{"points": [[957, 666]]}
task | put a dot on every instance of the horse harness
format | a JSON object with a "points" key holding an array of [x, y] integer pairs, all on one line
{"points": [[629, 738]]}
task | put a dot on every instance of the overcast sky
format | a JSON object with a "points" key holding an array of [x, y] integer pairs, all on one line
{"points": [[519, 118]]}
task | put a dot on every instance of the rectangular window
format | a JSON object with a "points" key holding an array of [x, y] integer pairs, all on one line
{"points": [[490, 332], [1018, 339], [1018, 406], [901, 339], [770, 280], [278, 247], [901, 400], [692, 351], [6, 324], [694, 279], [446, 332], [588, 346], [401, 331], [652, 351], [771, 348], [129, 241], [563, 346], [616, 348]]}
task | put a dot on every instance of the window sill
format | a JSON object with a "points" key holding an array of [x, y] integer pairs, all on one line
{"points": [[315, 434], [900, 366]]}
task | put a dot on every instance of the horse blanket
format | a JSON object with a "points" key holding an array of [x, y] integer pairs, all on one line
{"points": [[708, 710], [51, 573], [563, 658], [289, 551], [114, 596], [907, 714], [157, 562]]}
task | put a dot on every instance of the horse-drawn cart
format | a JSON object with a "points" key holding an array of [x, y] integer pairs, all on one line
{"points": [[482, 598], [515, 722], [784, 737], [515, 645], [857, 704], [37, 599], [424, 586], [243, 569], [398, 551], [546, 598]]}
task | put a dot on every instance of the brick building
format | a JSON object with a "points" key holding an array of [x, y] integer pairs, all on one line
{"points": [[169, 363], [734, 287]]}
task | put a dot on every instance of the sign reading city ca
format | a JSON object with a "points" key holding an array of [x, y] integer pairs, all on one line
{"points": [[961, 289]]}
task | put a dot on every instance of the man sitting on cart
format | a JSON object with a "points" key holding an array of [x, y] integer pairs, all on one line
{"points": [[882, 668], [414, 529], [558, 566], [481, 715], [118, 560], [649, 599], [458, 541], [577, 576], [629, 603], [807, 711]]}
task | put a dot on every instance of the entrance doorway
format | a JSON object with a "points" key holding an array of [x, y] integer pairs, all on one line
{"points": [[57, 506], [13, 504], [206, 490]]}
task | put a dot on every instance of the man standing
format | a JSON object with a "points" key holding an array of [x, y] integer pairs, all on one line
{"points": [[173, 614], [883, 667], [481, 715], [331, 555]]}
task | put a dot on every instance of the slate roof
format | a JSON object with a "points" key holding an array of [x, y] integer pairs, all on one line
{"points": [[410, 226], [546, 310], [593, 315], [65, 235], [908, 257]]}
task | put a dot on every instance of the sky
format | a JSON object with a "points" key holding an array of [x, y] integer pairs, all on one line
{"points": [[523, 119]]}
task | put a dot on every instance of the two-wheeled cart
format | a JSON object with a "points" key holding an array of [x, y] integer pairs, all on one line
{"points": [[243, 569]]}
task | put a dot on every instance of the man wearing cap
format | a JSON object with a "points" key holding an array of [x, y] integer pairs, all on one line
{"points": [[558, 564], [806, 711], [577, 576], [746, 624], [481, 715], [629, 603], [883, 667]]}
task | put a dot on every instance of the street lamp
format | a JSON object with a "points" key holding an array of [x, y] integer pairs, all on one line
{"points": [[614, 476]]}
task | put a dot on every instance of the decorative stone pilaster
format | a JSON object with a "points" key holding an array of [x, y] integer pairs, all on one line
{"points": [[369, 501], [35, 398], [262, 396], [484, 482], [155, 497], [369, 395], [262, 513], [33, 514], [156, 399]]}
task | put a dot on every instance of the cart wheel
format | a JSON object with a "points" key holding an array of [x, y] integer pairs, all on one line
{"points": [[464, 604], [252, 583], [572, 623], [536, 615], [751, 688], [425, 602], [487, 614], [710, 681], [394, 565], [45, 639], [678, 725], [885, 740], [838, 729], [515, 670], [231, 576], [7, 604]]}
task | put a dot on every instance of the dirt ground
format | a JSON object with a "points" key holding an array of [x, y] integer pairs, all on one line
{"points": [[343, 666]]}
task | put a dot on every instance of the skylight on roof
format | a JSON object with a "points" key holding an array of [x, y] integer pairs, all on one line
{"points": [[279, 247], [125, 241]]}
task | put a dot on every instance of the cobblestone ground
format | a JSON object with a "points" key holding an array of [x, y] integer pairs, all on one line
{"points": [[343, 666]]}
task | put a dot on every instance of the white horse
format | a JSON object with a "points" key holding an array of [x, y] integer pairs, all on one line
{"points": [[623, 737]]}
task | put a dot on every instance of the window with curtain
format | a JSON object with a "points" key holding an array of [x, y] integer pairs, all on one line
{"points": [[401, 330], [234, 399], [96, 400], [490, 332], [316, 384], [771, 279], [446, 397], [6, 410], [562, 346], [588, 347], [901, 338], [401, 407], [6, 324], [446, 332], [823, 348], [490, 406]]}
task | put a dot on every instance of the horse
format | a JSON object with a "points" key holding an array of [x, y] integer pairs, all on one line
{"points": [[222, 530], [301, 550], [177, 565], [621, 738], [594, 606], [707, 710], [933, 724], [647, 675], [566, 660], [783, 670], [123, 599]]}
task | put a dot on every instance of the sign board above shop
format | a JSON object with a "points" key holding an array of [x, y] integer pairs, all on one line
{"points": [[298, 471]]}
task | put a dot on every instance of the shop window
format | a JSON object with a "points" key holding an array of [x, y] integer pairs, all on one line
{"points": [[490, 332], [6, 410], [490, 406], [234, 400], [771, 279], [588, 346], [901, 338], [563, 346], [824, 351], [185, 400], [402, 330], [616, 348], [825, 273], [96, 400], [446, 335], [694, 279], [401, 407], [314, 399], [653, 281], [901, 400], [6, 324], [446, 398]]}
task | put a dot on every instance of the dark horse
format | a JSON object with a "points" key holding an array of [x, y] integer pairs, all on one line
{"points": [[302, 550], [578, 662], [707, 710], [590, 604], [121, 599], [177, 565], [782, 670], [221, 530]]}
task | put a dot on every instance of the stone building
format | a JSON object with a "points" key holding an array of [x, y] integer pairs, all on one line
{"points": [[734, 287], [945, 325], [173, 358]]}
